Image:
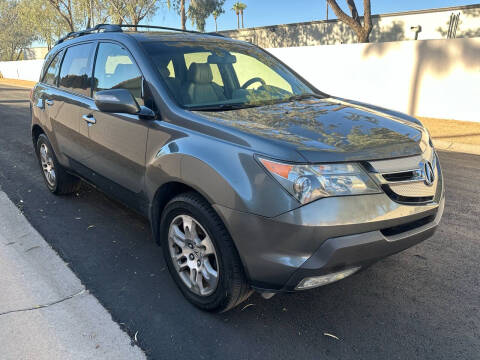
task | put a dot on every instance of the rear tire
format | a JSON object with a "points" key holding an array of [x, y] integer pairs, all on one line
{"points": [[182, 256], [56, 178]]}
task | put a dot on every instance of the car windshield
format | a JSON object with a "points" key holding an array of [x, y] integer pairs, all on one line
{"points": [[223, 75]]}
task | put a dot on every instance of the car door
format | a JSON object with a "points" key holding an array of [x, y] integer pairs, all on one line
{"points": [[117, 142], [71, 100], [44, 92]]}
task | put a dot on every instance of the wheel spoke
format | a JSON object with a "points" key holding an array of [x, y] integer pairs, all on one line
{"points": [[178, 236], [43, 153], [207, 244], [209, 269], [193, 277], [189, 227], [200, 283]]}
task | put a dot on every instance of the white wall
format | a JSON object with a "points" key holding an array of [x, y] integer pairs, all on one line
{"points": [[23, 70], [430, 78]]}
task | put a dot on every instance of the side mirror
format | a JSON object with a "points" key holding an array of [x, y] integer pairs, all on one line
{"points": [[116, 101]]}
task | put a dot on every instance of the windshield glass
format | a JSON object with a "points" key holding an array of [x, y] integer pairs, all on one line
{"points": [[223, 75]]}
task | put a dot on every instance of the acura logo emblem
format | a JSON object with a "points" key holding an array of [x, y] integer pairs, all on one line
{"points": [[429, 174]]}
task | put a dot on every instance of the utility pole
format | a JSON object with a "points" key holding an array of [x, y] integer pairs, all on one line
{"points": [[326, 2]]}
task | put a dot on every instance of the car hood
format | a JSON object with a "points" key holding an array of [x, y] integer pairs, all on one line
{"points": [[331, 129]]}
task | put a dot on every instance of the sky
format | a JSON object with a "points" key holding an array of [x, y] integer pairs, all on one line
{"points": [[271, 12]]}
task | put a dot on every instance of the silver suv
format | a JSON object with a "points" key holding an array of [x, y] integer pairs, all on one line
{"points": [[252, 179]]}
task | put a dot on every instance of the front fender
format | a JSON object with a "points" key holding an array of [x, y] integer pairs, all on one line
{"points": [[225, 174]]}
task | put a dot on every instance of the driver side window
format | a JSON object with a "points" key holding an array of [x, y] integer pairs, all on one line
{"points": [[114, 69]]}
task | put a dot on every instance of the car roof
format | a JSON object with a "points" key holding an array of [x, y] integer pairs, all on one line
{"points": [[146, 36], [142, 36]]}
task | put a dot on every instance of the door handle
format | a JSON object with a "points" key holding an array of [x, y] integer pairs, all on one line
{"points": [[49, 102], [89, 119]]}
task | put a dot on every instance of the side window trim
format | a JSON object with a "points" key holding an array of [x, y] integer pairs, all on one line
{"points": [[46, 66], [60, 54], [94, 64], [60, 62], [65, 49]]}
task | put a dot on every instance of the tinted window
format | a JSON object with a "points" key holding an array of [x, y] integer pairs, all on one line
{"points": [[217, 74], [115, 69], [50, 76], [76, 69], [201, 58]]}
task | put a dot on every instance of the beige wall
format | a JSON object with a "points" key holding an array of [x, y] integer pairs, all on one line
{"points": [[430, 78], [389, 27], [35, 53]]}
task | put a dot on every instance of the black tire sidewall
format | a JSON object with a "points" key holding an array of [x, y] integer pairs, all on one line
{"points": [[224, 256]]}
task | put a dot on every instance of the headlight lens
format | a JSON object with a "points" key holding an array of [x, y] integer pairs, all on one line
{"points": [[311, 182]]}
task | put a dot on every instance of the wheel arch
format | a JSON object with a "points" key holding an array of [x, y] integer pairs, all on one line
{"points": [[36, 131], [163, 195]]}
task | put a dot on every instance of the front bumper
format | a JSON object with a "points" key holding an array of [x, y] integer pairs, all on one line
{"points": [[326, 236]]}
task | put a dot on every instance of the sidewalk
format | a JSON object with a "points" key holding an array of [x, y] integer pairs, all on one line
{"points": [[45, 311], [454, 135], [20, 83]]}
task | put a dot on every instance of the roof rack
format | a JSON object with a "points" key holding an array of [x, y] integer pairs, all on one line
{"points": [[168, 28], [118, 28], [97, 28]]}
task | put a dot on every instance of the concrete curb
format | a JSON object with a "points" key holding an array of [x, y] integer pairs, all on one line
{"points": [[45, 310], [456, 147]]}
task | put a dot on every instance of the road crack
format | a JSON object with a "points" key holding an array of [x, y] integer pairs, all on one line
{"points": [[45, 305]]}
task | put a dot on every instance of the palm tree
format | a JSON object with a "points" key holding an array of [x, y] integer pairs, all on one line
{"points": [[236, 8], [242, 7], [216, 14]]}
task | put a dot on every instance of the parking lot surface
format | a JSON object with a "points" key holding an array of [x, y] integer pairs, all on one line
{"points": [[423, 303]]}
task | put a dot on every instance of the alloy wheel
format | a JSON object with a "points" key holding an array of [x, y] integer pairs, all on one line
{"points": [[48, 166], [193, 255]]}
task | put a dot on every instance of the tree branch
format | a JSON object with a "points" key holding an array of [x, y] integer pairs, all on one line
{"points": [[353, 10], [343, 16], [362, 31]]}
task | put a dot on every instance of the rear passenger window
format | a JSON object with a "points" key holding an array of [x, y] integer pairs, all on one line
{"points": [[50, 76], [114, 69], [76, 69]]}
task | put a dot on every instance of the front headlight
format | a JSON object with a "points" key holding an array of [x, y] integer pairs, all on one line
{"points": [[311, 182]]}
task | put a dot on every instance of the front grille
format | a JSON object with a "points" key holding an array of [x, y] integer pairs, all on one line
{"points": [[395, 230], [404, 180], [406, 199], [412, 189]]}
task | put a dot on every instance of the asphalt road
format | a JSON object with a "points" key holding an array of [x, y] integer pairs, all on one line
{"points": [[423, 303]]}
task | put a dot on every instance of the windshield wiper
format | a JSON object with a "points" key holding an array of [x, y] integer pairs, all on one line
{"points": [[301, 97], [221, 107]]}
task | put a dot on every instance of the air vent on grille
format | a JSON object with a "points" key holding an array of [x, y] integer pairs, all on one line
{"points": [[395, 230], [400, 176]]}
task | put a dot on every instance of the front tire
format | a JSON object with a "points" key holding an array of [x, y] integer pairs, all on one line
{"points": [[56, 178], [200, 254]]}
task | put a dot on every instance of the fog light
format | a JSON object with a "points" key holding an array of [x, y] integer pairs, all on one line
{"points": [[315, 281]]}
